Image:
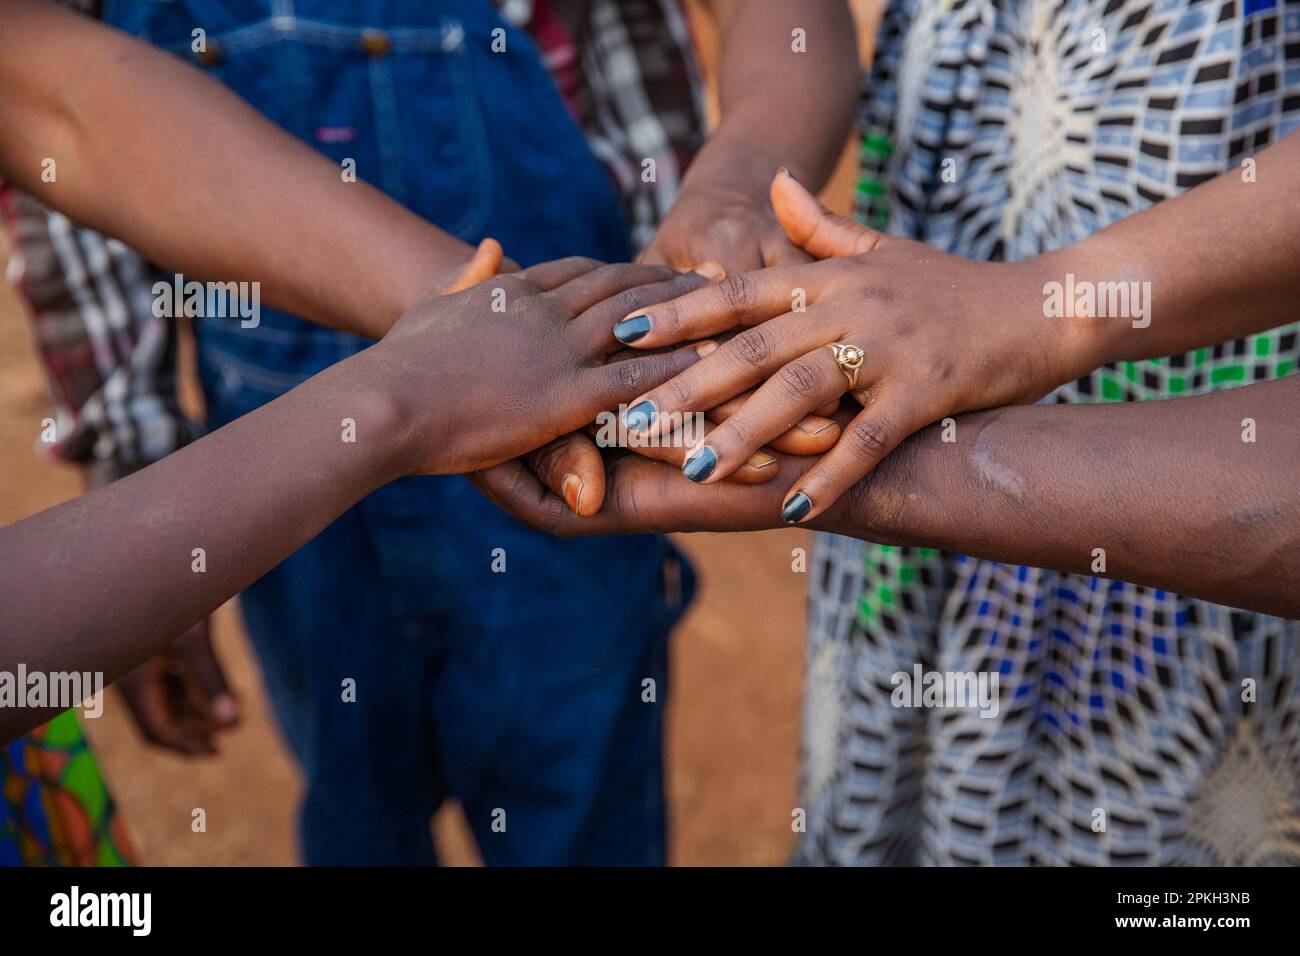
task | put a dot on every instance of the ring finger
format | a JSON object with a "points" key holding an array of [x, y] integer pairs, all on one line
{"points": [[737, 364], [794, 391]]}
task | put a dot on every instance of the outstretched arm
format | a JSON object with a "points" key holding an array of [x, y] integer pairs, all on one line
{"points": [[151, 151], [1196, 495], [939, 335], [102, 582]]}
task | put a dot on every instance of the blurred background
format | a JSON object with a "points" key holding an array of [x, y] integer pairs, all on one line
{"points": [[734, 703]]}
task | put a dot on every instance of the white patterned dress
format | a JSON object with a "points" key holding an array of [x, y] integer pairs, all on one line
{"points": [[1120, 704]]}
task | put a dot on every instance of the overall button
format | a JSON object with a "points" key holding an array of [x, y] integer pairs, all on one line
{"points": [[375, 43]]}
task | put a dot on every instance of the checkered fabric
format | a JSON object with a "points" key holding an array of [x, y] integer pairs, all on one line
{"points": [[111, 363]]}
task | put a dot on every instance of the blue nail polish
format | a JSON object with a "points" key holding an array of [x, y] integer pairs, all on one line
{"points": [[700, 465], [796, 509], [631, 329], [639, 417]]}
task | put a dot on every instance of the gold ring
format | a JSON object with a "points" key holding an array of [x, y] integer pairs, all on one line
{"points": [[849, 358]]}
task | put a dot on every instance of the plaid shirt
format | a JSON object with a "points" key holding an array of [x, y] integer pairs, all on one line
{"points": [[627, 73]]}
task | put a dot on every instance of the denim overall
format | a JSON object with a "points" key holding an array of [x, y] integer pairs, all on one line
{"points": [[519, 693]]}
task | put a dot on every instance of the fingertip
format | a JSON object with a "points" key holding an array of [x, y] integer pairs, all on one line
{"points": [[713, 271], [482, 265], [821, 434], [762, 463], [700, 464], [631, 329], [225, 710], [796, 208], [796, 508]]}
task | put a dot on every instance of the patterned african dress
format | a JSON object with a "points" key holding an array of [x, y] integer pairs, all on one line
{"points": [[54, 807], [1122, 735]]}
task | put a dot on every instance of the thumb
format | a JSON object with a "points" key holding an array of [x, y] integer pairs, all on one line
{"points": [[813, 227], [483, 265]]}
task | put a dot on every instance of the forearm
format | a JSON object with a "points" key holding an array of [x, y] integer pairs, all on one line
{"points": [[104, 581], [1168, 491], [780, 107], [1219, 262], [151, 151]]}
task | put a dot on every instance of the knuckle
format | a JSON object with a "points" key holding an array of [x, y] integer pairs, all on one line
{"points": [[629, 375], [547, 461], [629, 300], [552, 511], [802, 378], [513, 282], [870, 437], [679, 393], [668, 321], [736, 290], [585, 262], [753, 347], [736, 432]]}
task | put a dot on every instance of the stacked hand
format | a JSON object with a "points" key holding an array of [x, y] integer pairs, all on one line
{"points": [[939, 335], [574, 369]]}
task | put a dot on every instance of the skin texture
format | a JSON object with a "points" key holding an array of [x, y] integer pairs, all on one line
{"points": [[179, 699], [778, 107], [944, 335], [103, 581], [273, 210], [1168, 489]]}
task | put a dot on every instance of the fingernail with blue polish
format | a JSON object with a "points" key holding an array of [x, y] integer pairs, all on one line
{"points": [[639, 417], [796, 509], [700, 465], [632, 329]]}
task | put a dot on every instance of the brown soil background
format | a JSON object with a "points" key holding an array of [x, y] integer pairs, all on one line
{"points": [[733, 719]]}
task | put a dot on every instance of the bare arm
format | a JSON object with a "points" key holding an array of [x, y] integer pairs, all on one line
{"points": [[1168, 490], [102, 582], [938, 334], [1220, 262], [151, 151], [787, 84]]}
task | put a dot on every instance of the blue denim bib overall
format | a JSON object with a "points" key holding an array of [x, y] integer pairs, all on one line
{"points": [[519, 691]]}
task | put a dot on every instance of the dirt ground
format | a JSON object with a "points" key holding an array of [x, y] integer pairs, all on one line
{"points": [[733, 716]]}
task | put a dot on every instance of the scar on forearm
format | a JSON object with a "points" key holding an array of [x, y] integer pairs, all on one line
{"points": [[994, 473], [1249, 516]]}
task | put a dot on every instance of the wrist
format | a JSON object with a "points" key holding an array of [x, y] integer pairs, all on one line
{"points": [[412, 270], [1043, 290], [1095, 301], [729, 162], [888, 505], [398, 425]]}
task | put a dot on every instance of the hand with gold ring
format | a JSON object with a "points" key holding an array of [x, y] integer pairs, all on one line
{"points": [[909, 333]]}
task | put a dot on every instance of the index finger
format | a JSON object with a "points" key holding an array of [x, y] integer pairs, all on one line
{"points": [[742, 298]]}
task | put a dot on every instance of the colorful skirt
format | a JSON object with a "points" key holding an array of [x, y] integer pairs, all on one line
{"points": [[55, 809]]}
